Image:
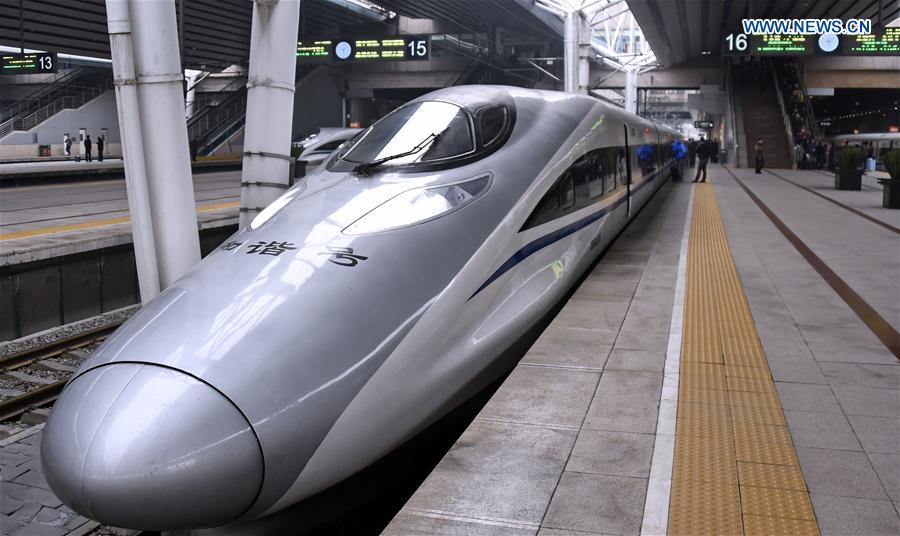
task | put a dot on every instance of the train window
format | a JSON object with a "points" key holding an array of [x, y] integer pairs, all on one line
{"points": [[595, 179], [491, 121], [330, 146], [609, 168], [567, 191], [420, 132]]}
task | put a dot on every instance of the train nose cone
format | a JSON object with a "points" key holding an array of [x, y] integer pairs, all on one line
{"points": [[146, 447]]}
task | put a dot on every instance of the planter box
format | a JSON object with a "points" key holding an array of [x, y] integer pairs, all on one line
{"points": [[848, 179], [891, 197]]}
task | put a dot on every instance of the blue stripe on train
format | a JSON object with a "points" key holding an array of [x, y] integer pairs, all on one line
{"points": [[544, 241]]}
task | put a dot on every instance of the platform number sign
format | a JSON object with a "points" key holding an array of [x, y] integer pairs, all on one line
{"points": [[417, 48], [735, 43], [29, 63]]}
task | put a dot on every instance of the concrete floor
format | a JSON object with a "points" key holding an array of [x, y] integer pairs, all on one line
{"points": [[51, 209]]}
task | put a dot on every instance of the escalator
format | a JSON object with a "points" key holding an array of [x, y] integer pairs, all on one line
{"points": [[763, 117]]}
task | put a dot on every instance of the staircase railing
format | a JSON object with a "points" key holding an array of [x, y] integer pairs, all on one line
{"points": [[784, 115], [66, 102], [65, 85], [234, 86]]}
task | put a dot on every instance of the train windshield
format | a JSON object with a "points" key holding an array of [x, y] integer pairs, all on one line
{"points": [[427, 131]]}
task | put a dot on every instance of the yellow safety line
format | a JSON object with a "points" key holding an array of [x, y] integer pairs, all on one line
{"points": [[735, 469], [98, 223]]}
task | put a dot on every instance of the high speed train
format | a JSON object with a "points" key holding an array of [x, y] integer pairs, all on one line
{"points": [[368, 301]]}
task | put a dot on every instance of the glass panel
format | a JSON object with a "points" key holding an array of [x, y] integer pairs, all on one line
{"points": [[492, 121], [596, 177], [567, 191], [410, 127]]}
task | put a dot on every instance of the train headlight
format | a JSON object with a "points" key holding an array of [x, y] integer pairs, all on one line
{"points": [[419, 205]]}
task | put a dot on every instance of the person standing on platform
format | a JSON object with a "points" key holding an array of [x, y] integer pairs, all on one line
{"points": [[87, 147], [100, 142], [703, 152], [760, 162], [679, 151], [192, 147], [714, 150], [68, 145], [692, 152]]}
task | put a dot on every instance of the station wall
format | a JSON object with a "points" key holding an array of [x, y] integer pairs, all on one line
{"points": [[317, 103], [97, 114]]}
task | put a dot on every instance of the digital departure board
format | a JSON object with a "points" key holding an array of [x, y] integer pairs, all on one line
{"points": [[883, 44], [393, 48], [703, 124], [29, 63], [315, 48], [886, 44]]}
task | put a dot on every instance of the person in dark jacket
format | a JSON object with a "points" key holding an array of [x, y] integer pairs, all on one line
{"points": [[692, 152], [192, 147], [87, 148], [760, 162], [68, 144], [100, 143], [714, 150], [703, 152]]}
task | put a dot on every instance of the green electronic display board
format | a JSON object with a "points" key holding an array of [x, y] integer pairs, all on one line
{"points": [[886, 44], [882, 44], [28, 63], [315, 48], [366, 49]]}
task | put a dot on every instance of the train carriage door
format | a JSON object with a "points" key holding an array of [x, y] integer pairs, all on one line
{"points": [[627, 170]]}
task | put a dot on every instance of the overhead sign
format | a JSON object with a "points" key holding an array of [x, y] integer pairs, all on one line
{"points": [[703, 124], [882, 44], [887, 44], [393, 48], [29, 63], [315, 48]]}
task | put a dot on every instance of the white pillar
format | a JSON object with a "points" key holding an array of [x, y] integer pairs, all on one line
{"points": [[631, 91], [577, 53], [119, 24], [570, 69], [165, 142], [270, 100]]}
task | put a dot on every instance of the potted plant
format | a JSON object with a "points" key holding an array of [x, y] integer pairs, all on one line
{"points": [[891, 197], [849, 173]]}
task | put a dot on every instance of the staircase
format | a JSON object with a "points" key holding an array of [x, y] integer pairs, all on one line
{"points": [[68, 91], [763, 119]]}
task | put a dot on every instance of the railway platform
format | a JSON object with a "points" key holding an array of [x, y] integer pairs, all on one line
{"points": [[66, 248], [730, 367]]}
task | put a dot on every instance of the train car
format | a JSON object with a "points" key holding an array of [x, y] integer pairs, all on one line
{"points": [[880, 143], [371, 299]]}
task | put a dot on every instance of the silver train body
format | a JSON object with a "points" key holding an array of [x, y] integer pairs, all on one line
{"points": [[343, 321]]}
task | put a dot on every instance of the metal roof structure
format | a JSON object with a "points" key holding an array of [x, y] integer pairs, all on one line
{"points": [[681, 29], [217, 32]]}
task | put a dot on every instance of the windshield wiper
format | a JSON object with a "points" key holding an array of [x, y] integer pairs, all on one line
{"points": [[367, 166]]}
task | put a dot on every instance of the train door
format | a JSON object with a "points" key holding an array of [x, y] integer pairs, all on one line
{"points": [[627, 170]]}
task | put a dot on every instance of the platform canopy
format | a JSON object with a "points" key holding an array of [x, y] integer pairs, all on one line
{"points": [[681, 29], [217, 32]]}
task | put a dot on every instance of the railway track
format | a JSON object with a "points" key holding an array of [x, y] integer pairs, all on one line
{"points": [[44, 371]]}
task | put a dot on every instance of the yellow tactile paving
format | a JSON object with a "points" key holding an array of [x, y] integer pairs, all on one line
{"points": [[777, 526], [735, 469]]}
